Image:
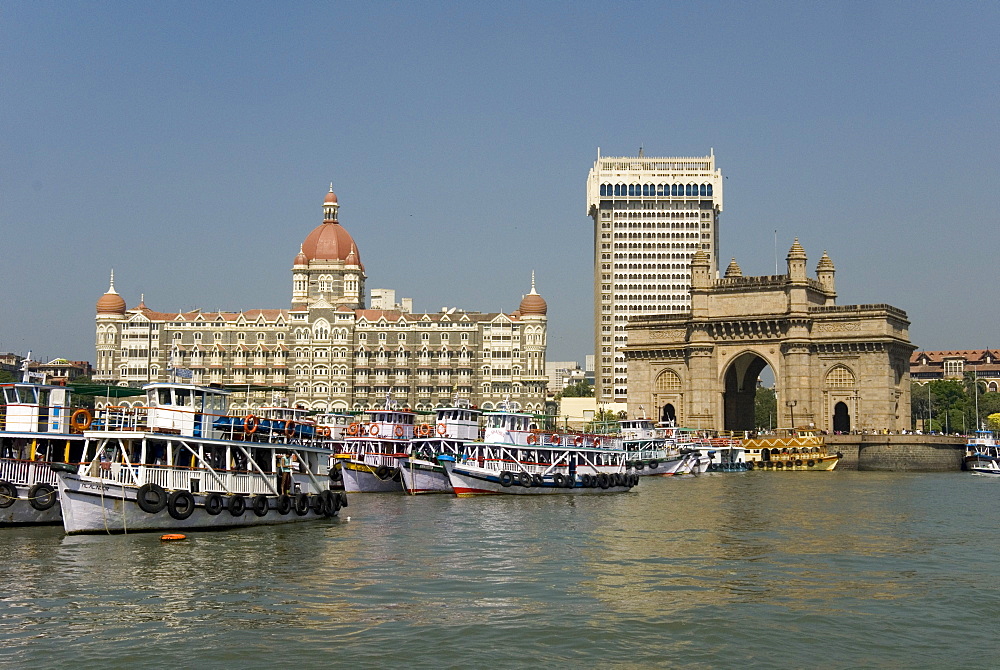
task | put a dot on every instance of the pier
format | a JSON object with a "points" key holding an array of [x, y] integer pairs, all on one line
{"points": [[898, 453]]}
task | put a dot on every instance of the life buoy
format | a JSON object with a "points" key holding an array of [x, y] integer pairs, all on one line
{"points": [[506, 478], [373, 429], [237, 505], [80, 420], [260, 505], [289, 428], [597, 441], [214, 504], [151, 498], [250, 424], [180, 505], [424, 430], [323, 431], [398, 431], [554, 439], [41, 496], [578, 441], [532, 439], [442, 429], [8, 494], [353, 429]]}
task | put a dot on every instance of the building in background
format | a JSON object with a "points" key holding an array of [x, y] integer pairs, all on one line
{"points": [[562, 374], [330, 350], [61, 371], [927, 366], [650, 217]]}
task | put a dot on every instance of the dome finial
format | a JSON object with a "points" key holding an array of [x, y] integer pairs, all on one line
{"points": [[533, 282]]}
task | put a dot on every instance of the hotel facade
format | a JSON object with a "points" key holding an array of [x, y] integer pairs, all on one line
{"points": [[329, 351], [651, 215]]}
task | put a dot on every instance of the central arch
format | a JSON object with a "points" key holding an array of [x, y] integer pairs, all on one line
{"points": [[740, 391]]}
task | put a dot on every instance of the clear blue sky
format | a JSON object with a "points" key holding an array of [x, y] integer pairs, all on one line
{"points": [[189, 147]]}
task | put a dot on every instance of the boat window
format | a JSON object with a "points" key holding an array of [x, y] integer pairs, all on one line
{"points": [[27, 394], [10, 394], [43, 397], [183, 397], [164, 396]]}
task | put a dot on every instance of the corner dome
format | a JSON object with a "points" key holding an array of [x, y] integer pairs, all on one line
{"points": [[533, 304], [329, 241], [111, 302]]}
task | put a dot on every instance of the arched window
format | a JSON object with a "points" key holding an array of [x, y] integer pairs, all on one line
{"points": [[709, 189], [668, 381], [840, 378]]}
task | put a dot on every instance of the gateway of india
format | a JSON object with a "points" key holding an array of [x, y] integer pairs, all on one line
{"points": [[330, 350], [836, 367]]}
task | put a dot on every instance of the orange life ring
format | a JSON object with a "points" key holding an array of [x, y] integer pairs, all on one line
{"points": [[532, 439], [398, 431], [373, 429], [554, 439], [442, 429], [250, 424], [323, 431], [597, 441], [353, 429], [578, 441], [425, 430], [289, 428], [81, 419]]}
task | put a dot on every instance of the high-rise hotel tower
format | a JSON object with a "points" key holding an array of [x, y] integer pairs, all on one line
{"points": [[650, 217]]}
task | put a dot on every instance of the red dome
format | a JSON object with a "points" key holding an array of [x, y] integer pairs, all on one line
{"points": [[533, 305], [111, 303], [331, 197], [330, 242]]}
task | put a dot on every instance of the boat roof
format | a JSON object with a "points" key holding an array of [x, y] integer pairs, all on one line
{"points": [[190, 387]]}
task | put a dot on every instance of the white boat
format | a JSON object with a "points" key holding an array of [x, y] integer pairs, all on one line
{"points": [[372, 449], [35, 432], [182, 462], [983, 454], [653, 450], [515, 458], [452, 428]]}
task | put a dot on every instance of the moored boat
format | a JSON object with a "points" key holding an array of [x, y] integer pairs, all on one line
{"points": [[452, 428], [983, 454], [370, 459], [800, 449], [182, 462], [653, 450], [515, 458]]}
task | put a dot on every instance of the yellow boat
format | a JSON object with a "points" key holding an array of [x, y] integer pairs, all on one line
{"points": [[799, 449]]}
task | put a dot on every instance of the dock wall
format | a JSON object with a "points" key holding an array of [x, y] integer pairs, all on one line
{"points": [[898, 453]]}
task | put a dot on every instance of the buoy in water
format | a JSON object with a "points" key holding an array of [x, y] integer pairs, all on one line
{"points": [[172, 537]]}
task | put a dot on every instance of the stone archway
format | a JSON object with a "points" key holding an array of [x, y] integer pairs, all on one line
{"points": [[740, 391], [668, 415], [841, 418]]}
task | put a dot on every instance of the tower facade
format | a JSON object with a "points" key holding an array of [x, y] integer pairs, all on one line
{"points": [[651, 215]]}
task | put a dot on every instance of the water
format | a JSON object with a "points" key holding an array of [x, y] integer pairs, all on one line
{"points": [[769, 570]]}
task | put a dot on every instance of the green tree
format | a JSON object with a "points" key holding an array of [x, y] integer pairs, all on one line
{"points": [[581, 389], [993, 421], [6, 377], [765, 408], [605, 422]]}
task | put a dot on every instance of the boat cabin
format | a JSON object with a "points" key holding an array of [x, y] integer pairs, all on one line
{"points": [[507, 427], [36, 408], [393, 424], [458, 423], [637, 429], [185, 409]]}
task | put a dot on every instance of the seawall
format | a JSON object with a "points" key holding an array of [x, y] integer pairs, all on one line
{"points": [[898, 453]]}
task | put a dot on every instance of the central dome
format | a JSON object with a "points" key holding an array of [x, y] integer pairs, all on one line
{"points": [[330, 241]]}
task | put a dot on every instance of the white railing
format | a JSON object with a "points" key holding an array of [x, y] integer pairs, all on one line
{"points": [[24, 473]]}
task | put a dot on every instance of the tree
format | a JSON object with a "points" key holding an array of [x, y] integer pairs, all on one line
{"points": [[765, 406], [581, 389], [605, 422], [993, 421], [7, 377]]}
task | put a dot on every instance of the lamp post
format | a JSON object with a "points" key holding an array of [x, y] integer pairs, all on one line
{"points": [[791, 408]]}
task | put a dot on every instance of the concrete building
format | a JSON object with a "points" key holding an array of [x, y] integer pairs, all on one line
{"points": [[562, 374], [650, 217], [839, 367], [330, 349], [927, 366]]}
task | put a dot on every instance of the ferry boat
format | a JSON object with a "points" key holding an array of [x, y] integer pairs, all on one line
{"points": [[183, 462], [36, 430], [983, 454], [799, 449], [649, 451], [452, 428], [515, 458], [372, 451]]}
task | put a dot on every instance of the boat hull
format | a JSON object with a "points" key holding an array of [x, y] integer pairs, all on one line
{"points": [[819, 463], [92, 505], [469, 481], [363, 478], [23, 513], [420, 477]]}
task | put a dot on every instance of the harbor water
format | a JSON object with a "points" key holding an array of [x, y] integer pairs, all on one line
{"points": [[768, 570]]}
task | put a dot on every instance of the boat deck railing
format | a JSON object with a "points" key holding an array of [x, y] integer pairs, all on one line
{"points": [[181, 478], [22, 473]]}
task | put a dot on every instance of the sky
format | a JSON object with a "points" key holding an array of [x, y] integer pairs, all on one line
{"points": [[189, 146]]}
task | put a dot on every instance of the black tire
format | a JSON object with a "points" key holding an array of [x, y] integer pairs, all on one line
{"points": [[653, 465], [343, 499], [506, 478], [811, 463], [586, 481], [260, 505], [798, 461], [8, 495], [603, 480], [524, 479], [302, 504], [180, 505], [284, 505], [750, 465], [316, 503], [151, 498], [558, 481], [383, 472], [336, 476], [42, 497], [237, 505], [779, 465], [214, 504], [536, 480]]}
